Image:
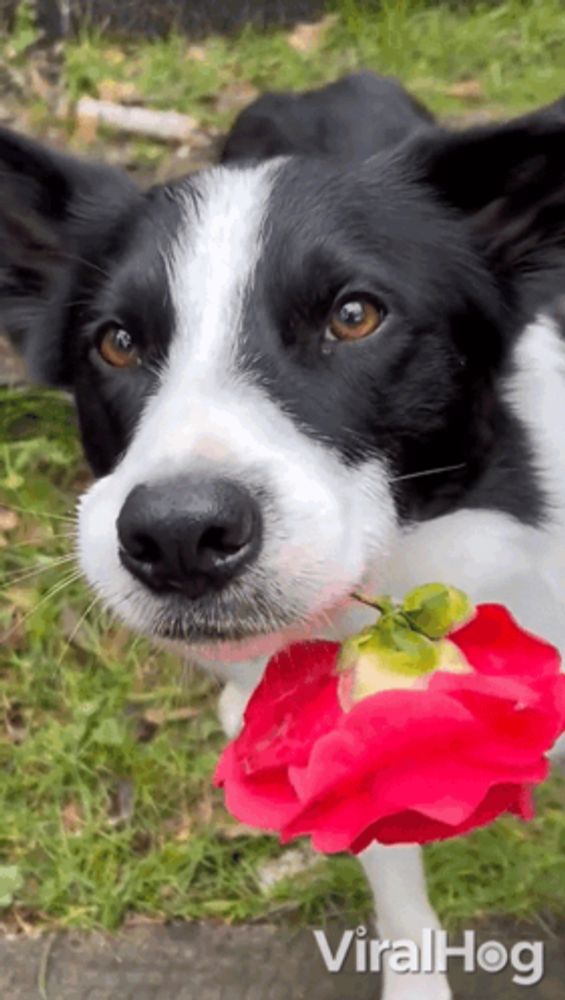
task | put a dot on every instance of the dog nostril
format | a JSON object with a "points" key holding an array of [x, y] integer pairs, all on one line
{"points": [[225, 539], [144, 548]]}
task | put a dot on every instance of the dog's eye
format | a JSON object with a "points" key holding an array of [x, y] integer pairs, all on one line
{"points": [[353, 320], [117, 348]]}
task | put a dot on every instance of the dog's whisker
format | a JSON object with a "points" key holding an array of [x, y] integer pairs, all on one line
{"points": [[326, 618], [79, 302], [56, 537], [74, 632], [68, 519], [56, 589], [82, 260], [429, 472], [18, 576]]}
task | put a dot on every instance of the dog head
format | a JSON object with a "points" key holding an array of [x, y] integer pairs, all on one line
{"points": [[353, 118], [268, 360]]}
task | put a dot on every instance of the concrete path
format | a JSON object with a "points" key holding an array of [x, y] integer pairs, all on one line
{"points": [[207, 962]]}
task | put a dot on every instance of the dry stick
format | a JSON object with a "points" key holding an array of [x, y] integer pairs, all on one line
{"points": [[168, 126]]}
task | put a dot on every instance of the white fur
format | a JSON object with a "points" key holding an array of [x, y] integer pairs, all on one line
{"points": [[397, 879]]}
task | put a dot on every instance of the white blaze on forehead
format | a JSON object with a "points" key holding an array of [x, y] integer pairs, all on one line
{"points": [[213, 264], [203, 409]]}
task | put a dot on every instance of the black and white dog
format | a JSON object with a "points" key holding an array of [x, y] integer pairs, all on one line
{"points": [[300, 375]]}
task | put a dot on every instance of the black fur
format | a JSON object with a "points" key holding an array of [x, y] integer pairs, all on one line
{"points": [[352, 119], [60, 222]]}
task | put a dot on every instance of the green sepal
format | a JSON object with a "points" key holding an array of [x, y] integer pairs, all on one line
{"points": [[435, 609], [390, 645]]}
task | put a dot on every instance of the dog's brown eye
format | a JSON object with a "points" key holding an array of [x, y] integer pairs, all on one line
{"points": [[118, 349], [353, 320]]}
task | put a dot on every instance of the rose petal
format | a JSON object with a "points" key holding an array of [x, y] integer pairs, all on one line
{"points": [[376, 733], [265, 802], [295, 703], [413, 828], [445, 791], [493, 643]]}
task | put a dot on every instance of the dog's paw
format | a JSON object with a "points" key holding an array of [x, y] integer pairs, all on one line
{"points": [[416, 987], [231, 706]]}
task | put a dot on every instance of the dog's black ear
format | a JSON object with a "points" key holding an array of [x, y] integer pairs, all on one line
{"points": [[57, 214], [509, 179]]}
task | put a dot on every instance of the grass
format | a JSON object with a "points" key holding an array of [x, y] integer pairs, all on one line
{"points": [[107, 749], [106, 746]]}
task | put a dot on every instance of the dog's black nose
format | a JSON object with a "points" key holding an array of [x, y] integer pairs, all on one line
{"points": [[192, 535]]}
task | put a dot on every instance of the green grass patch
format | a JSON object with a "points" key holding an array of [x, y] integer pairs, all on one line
{"points": [[514, 52], [107, 749]]}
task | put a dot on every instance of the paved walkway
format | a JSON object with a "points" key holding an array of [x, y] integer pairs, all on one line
{"points": [[207, 962]]}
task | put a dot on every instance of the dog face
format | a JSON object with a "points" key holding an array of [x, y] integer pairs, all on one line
{"points": [[270, 508], [268, 421], [268, 362]]}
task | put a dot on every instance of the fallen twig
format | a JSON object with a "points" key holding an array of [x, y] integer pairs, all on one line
{"points": [[167, 126]]}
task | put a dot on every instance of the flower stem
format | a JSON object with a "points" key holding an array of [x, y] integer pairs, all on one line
{"points": [[382, 604]]}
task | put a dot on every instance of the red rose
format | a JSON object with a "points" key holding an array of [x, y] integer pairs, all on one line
{"points": [[425, 763]]}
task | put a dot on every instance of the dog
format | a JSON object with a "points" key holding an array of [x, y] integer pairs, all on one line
{"points": [[353, 118], [300, 375]]}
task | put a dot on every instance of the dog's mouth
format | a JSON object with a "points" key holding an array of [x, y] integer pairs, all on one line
{"points": [[219, 620], [256, 625], [182, 631]]}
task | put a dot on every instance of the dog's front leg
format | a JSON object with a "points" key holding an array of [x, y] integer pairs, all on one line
{"points": [[397, 880], [395, 874], [236, 693]]}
